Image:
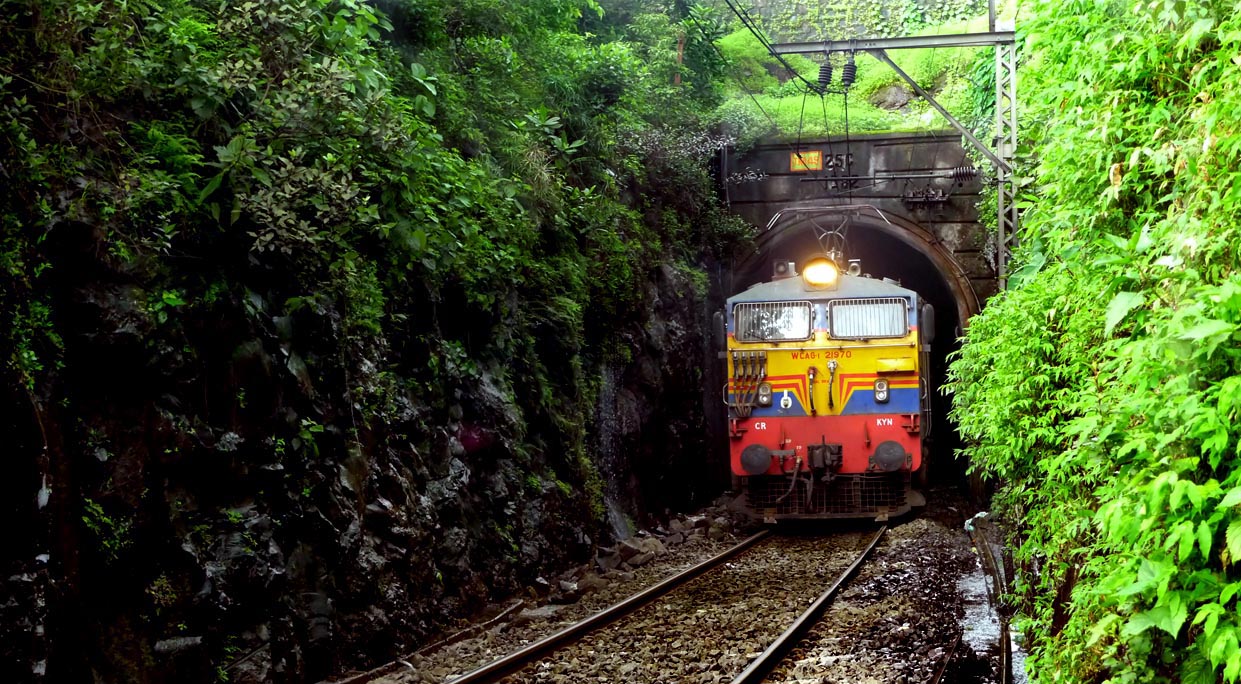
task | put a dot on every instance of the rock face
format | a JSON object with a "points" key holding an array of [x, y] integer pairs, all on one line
{"points": [[891, 97], [274, 427], [216, 506], [788, 21], [652, 418]]}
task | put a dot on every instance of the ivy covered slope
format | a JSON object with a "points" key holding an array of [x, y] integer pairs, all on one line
{"points": [[764, 100], [1104, 388], [310, 309], [844, 19]]}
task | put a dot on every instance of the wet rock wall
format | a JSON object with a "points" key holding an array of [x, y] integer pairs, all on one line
{"points": [[240, 489], [656, 440]]}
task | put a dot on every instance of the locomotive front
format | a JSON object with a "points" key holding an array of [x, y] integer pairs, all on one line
{"points": [[827, 394]]}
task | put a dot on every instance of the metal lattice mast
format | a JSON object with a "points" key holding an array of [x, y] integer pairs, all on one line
{"points": [[1005, 107], [1006, 149]]}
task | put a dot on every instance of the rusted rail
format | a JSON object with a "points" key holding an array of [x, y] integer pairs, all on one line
{"points": [[495, 670], [762, 665], [403, 663], [943, 662]]}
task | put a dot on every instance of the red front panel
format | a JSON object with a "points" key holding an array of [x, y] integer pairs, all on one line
{"points": [[857, 434]]}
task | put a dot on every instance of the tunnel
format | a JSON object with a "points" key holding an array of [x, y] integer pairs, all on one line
{"points": [[888, 246]]}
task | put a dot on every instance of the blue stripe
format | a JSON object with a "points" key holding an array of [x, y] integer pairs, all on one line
{"points": [[900, 400]]}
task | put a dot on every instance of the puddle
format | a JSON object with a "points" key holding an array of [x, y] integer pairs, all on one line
{"points": [[980, 626], [1019, 659]]}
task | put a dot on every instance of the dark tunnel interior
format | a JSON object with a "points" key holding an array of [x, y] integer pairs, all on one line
{"points": [[883, 256]]}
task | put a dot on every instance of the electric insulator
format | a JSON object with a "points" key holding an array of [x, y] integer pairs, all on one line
{"points": [[964, 173], [825, 74], [849, 74]]}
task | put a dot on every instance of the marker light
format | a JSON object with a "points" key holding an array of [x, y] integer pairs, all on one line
{"points": [[764, 394], [881, 391], [820, 274]]}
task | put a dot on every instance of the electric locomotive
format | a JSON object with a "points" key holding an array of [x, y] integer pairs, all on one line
{"points": [[828, 393]]}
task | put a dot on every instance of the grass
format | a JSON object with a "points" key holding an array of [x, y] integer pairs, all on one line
{"points": [[942, 71]]}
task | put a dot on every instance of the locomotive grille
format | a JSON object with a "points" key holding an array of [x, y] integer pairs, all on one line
{"points": [[846, 495], [857, 319], [772, 321]]}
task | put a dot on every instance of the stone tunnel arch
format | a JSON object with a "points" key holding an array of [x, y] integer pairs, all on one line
{"points": [[794, 240], [910, 205], [916, 190]]}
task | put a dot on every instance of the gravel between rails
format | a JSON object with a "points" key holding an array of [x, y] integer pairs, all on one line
{"points": [[534, 624], [710, 629], [897, 620], [893, 623]]}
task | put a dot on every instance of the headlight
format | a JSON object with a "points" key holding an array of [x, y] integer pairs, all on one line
{"points": [[764, 394], [881, 391], [820, 274], [755, 459], [889, 457]]}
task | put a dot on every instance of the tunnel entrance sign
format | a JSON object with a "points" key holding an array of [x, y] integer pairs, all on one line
{"points": [[1004, 42], [806, 160]]}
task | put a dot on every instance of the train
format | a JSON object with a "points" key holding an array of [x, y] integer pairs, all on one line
{"points": [[827, 392]]}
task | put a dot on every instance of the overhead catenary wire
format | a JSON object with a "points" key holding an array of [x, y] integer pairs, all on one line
{"points": [[821, 89], [827, 132], [752, 26], [737, 78], [801, 118], [848, 75], [748, 22], [770, 120]]}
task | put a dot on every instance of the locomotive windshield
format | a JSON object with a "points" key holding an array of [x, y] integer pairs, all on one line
{"points": [[772, 321], [868, 318]]}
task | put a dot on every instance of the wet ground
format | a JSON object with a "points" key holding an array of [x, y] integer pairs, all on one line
{"points": [[905, 617], [920, 606]]}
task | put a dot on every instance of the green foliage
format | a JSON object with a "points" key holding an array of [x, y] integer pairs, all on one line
{"points": [[163, 595], [843, 19], [1102, 389], [793, 111], [112, 534], [34, 339], [163, 304], [388, 222]]}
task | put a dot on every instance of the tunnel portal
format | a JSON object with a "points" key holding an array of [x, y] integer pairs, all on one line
{"points": [[905, 206]]}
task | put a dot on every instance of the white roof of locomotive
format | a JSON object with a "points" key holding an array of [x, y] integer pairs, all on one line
{"points": [[794, 288]]}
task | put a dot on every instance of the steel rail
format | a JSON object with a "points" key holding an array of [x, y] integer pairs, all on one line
{"points": [[947, 658], [497, 669], [995, 592], [403, 662], [762, 665]]}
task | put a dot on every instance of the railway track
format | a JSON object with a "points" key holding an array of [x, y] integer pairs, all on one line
{"points": [[725, 620], [993, 565], [735, 605], [494, 671], [759, 667], [900, 622]]}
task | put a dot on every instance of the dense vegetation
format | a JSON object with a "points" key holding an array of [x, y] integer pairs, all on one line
{"points": [[310, 310], [1103, 387], [842, 19], [765, 100], [308, 307]]}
